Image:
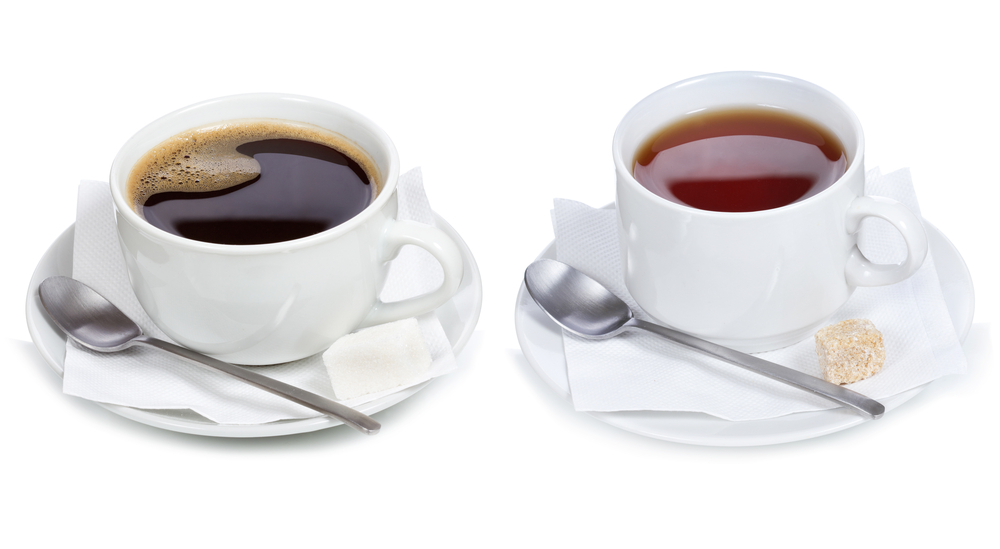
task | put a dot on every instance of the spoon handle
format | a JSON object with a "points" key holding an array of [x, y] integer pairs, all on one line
{"points": [[867, 407], [350, 416]]}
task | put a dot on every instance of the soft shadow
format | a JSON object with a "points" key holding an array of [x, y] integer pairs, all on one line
{"points": [[28, 355], [978, 349]]}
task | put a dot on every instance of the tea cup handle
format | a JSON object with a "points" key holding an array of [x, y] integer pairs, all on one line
{"points": [[862, 272], [399, 233]]}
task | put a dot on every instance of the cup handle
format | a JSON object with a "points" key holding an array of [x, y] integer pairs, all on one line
{"points": [[862, 272], [399, 233]]}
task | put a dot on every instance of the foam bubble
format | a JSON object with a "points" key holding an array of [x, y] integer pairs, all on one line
{"points": [[205, 158]]}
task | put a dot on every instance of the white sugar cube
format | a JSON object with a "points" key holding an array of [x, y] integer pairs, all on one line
{"points": [[377, 358]]}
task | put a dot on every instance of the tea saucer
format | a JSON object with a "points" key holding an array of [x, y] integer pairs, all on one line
{"points": [[541, 342], [458, 317]]}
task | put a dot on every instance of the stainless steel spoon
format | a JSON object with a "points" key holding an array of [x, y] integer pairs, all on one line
{"points": [[94, 322], [584, 307]]}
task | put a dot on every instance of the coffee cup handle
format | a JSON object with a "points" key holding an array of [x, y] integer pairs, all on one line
{"points": [[862, 272], [399, 233]]}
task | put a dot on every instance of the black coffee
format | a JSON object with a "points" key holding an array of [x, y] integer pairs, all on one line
{"points": [[740, 160], [217, 188]]}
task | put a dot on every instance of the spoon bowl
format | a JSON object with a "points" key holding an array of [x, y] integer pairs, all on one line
{"points": [[86, 316], [91, 320], [584, 307], [578, 303]]}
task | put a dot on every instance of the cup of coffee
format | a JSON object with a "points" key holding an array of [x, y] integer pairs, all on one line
{"points": [[259, 228], [739, 197]]}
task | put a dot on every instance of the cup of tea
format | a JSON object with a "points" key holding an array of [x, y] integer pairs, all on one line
{"points": [[259, 228], [739, 196]]}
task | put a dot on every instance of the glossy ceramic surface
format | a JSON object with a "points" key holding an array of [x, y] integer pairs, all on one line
{"points": [[272, 303], [752, 281]]}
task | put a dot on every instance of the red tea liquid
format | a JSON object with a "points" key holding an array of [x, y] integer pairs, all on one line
{"points": [[740, 160]]}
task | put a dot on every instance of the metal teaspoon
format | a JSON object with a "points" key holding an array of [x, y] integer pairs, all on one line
{"points": [[94, 322], [584, 307]]}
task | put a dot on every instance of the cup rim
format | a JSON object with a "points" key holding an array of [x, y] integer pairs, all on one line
{"points": [[625, 174], [118, 178]]}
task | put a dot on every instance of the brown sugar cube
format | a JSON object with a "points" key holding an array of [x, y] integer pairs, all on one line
{"points": [[850, 351]]}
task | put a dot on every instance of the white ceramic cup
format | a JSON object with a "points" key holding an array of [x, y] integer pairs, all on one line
{"points": [[272, 303], [761, 280]]}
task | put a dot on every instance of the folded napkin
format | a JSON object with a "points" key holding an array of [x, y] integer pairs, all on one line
{"points": [[151, 379], [638, 371]]}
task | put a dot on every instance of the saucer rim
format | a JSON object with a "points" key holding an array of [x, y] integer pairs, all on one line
{"points": [[702, 429], [57, 260]]}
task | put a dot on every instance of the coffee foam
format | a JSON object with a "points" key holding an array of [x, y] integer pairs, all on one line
{"points": [[205, 158]]}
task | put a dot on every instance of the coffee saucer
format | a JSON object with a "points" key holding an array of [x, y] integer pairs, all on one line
{"points": [[458, 317], [541, 342]]}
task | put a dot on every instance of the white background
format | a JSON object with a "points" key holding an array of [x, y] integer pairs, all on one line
{"points": [[505, 106]]}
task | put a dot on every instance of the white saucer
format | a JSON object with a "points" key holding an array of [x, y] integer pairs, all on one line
{"points": [[458, 317], [541, 341]]}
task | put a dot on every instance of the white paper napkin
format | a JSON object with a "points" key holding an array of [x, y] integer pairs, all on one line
{"points": [[151, 379], [639, 371]]}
